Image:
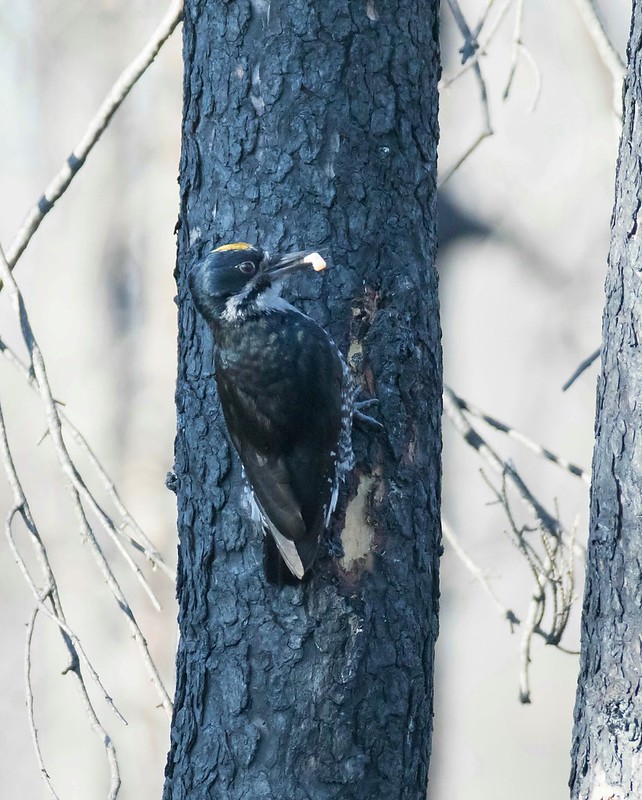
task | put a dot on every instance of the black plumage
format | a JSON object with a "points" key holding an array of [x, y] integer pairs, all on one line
{"points": [[286, 395]]}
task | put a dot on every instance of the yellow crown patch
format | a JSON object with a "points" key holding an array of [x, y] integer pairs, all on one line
{"points": [[234, 246]]}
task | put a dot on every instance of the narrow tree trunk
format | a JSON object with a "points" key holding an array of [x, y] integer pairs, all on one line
{"points": [[607, 739], [313, 123]]}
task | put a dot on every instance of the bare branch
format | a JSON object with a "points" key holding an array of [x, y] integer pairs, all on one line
{"points": [[553, 578], [51, 591], [536, 448], [517, 41], [584, 365], [526, 53], [478, 574], [469, 52], [140, 542], [48, 600], [55, 617], [547, 548], [484, 134], [41, 598], [119, 91], [535, 612], [519, 48], [114, 786], [470, 44], [30, 712], [55, 611], [609, 55], [497, 464], [481, 49], [519, 535], [75, 483], [482, 21]]}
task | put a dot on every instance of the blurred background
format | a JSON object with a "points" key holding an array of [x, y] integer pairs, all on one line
{"points": [[524, 232]]}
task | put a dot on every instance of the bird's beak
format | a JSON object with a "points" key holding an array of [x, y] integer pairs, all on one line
{"points": [[281, 266]]}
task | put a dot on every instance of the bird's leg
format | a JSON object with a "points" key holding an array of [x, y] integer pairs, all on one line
{"points": [[365, 420]]}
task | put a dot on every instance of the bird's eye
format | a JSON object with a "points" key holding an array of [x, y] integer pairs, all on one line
{"points": [[247, 268]]}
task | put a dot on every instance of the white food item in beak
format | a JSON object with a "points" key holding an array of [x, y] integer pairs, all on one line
{"points": [[316, 261]]}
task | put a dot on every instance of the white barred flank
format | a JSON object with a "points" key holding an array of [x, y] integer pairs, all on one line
{"points": [[344, 455]]}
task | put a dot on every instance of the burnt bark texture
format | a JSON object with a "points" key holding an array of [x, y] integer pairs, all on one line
{"points": [[607, 738], [313, 123]]}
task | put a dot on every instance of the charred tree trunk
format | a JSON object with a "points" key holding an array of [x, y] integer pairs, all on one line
{"points": [[607, 739], [313, 123]]}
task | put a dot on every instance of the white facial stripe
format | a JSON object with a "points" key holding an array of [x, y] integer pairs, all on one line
{"points": [[270, 300], [233, 304]]}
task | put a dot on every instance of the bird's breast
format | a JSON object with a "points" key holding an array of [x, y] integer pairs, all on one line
{"points": [[283, 368]]}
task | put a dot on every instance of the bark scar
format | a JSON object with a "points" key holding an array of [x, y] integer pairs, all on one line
{"points": [[358, 535]]}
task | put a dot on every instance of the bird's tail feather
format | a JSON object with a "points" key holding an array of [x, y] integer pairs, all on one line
{"points": [[274, 567]]}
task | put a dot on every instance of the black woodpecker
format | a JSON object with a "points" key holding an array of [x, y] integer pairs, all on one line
{"points": [[287, 397]]}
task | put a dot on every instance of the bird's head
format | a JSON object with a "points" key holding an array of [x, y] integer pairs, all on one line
{"points": [[239, 279]]}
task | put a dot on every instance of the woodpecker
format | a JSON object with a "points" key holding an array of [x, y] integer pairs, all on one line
{"points": [[287, 396]]}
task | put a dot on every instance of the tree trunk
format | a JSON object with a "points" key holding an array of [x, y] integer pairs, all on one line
{"points": [[608, 713], [313, 123]]}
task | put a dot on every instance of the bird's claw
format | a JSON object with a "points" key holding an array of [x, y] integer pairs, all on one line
{"points": [[369, 403], [365, 420]]}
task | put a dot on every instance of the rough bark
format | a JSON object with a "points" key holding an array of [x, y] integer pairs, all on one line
{"points": [[607, 763], [313, 123]]}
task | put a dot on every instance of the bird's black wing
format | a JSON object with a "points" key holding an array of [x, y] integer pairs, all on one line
{"points": [[281, 396]]}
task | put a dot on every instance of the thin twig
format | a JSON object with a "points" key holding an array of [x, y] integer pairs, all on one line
{"points": [[537, 73], [481, 50], [519, 48], [115, 783], [30, 710], [470, 44], [51, 595], [82, 489], [582, 368], [75, 483], [484, 134], [573, 469], [501, 467], [518, 534], [552, 571], [551, 576], [534, 613], [40, 599], [140, 542], [517, 40], [478, 574], [21, 506], [119, 91], [606, 51], [469, 53], [482, 20]]}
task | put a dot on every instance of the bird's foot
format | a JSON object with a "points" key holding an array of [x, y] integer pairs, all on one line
{"points": [[365, 420]]}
